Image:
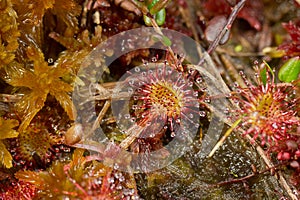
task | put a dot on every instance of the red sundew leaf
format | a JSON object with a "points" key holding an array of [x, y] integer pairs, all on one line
{"points": [[291, 48], [293, 30], [251, 12]]}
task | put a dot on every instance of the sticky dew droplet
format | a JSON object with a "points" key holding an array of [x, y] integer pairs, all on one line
{"points": [[137, 69], [173, 134], [199, 80], [131, 82], [202, 113], [50, 60], [127, 116], [130, 90], [191, 71], [154, 59]]}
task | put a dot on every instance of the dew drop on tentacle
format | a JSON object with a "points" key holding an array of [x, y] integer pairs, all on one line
{"points": [[131, 82], [130, 90], [199, 80], [154, 59], [202, 113], [127, 116], [173, 134], [137, 69]]}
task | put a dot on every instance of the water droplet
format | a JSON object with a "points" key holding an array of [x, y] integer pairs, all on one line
{"points": [[235, 84], [165, 127], [148, 123], [204, 89], [133, 119], [130, 90], [228, 95], [122, 178], [50, 60], [134, 107], [199, 80], [119, 187], [141, 83], [131, 82], [207, 100], [177, 121], [160, 71], [144, 73], [150, 71], [127, 116], [135, 98], [202, 113], [191, 71], [137, 69], [241, 73], [116, 166], [191, 115], [275, 126], [153, 59], [111, 180], [145, 63], [255, 62], [226, 111], [173, 134], [195, 93]]}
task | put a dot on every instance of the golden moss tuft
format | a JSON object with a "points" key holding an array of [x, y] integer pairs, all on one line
{"points": [[9, 33], [39, 82], [6, 131]]}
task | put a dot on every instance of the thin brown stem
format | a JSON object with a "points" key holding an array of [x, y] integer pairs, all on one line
{"points": [[226, 28]]}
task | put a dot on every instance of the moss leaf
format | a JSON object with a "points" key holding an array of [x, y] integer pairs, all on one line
{"points": [[7, 131]]}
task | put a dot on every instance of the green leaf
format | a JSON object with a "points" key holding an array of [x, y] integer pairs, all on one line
{"points": [[263, 76], [166, 41], [290, 70], [157, 6], [160, 17], [163, 39]]}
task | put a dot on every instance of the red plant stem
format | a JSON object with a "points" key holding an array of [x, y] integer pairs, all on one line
{"points": [[226, 28]]}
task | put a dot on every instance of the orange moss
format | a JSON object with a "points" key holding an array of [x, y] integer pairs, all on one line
{"points": [[9, 33], [41, 81], [6, 131]]}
